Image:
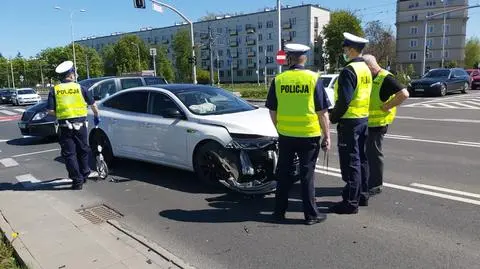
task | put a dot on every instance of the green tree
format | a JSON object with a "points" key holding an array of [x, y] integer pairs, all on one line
{"points": [[182, 47], [164, 65], [108, 56], [472, 52], [340, 21], [451, 64], [50, 58], [82, 55], [381, 42], [126, 55]]}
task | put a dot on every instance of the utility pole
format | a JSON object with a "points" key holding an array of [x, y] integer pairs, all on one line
{"points": [[258, 61], [8, 77], [13, 78], [41, 75], [87, 64], [210, 51], [279, 31], [443, 39], [231, 71], [218, 69], [265, 71]]}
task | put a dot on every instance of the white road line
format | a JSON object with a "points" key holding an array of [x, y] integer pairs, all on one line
{"points": [[441, 120], [398, 136], [27, 180], [435, 188], [404, 188], [33, 153], [19, 110], [8, 162], [445, 105], [466, 142], [3, 140], [318, 166], [464, 105], [9, 113], [474, 102], [436, 142]]}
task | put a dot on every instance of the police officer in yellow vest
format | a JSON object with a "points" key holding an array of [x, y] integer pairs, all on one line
{"points": [[68, 101], [387, 94], [298, 107], [352, 97]]}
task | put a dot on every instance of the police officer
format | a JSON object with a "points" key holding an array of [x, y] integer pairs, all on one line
{"points": [[352, 98], [387, 94], [298, 107], [68, 101]]}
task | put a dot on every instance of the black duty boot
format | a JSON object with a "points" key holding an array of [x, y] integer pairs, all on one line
{"points": [[343, 208]]}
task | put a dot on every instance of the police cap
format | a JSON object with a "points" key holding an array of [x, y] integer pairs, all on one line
{"points": [[65, 67], [296, 49], [354, 41]]}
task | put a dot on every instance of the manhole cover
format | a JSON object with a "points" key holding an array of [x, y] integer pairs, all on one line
{"points": [[98, 214]]}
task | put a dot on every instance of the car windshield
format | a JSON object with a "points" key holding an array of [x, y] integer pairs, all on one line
{"points": [[28, 91], [212, 101], [326, 81], [437, 73], [87, 83]]}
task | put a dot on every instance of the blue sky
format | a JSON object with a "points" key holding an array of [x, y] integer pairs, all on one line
{"points": [[29, 26]]}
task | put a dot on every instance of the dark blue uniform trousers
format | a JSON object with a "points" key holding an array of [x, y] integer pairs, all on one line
{"points": [[307, 150], [75, 152], [352, 136]]}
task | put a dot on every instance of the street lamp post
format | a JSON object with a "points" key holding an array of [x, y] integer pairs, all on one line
{"points": [[194, 67], [138, 51], [73, 39], [443, 39], [13, 78], [279, 12]]}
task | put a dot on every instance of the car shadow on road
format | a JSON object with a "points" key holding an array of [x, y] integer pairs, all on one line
{"points": [[235, 207], [30, 141], [58, 184]]}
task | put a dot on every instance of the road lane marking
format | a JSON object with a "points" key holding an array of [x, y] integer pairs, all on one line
{"points": [[441, 120], [435, 188], [8, 162], [464, 105], [398, 136], [27, 180], [19, 110], [33, 153], [470, 143], [3, 140], [322, 170], [7, 112], [445, 105]]}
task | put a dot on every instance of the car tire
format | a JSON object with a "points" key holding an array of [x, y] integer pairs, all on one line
{"points": [[443, 90], [465, 88], [100, 138], [207, 167]]}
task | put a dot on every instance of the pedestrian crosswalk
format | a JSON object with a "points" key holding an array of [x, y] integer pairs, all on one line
{"points": [[453, 102], [10, 113]]}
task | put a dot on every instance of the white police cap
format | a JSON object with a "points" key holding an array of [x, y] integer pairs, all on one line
{"points": [[354, 41], [293, 48], [64, 67]]}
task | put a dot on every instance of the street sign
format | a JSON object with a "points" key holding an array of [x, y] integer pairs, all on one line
{"points": [[153, 52], [21, 78], [281, 57]]}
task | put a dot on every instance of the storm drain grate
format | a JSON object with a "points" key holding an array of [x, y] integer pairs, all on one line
{"points": [[98, 214]]}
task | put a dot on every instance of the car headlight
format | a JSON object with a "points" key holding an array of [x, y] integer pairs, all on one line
{"points": [[243, 141], [40, 115], [436, 84]]}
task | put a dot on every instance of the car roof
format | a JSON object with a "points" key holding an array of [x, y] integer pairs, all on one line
{"points": [[176, 88]]}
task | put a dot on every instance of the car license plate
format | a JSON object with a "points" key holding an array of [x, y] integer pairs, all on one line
{"points": [[419, 90], [22, 125]]}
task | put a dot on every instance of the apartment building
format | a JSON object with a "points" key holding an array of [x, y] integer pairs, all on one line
{"points": [[239, 40], [410, 24]]}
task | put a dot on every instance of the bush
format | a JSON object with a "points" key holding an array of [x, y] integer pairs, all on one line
{"points": [[254, 94]]}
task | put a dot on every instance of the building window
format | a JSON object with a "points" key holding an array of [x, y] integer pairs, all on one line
{"points": [[430, 55], [431, 3], [315, 33], [413, 43], [249, 73], [229, 73], [270, 71], [269, 48], [260, 48], [270, 36], [293, 34], [414, 18], [269, 24], [260, 25], [239, 73], [430, 42], [293, 21], [222, 73], [447, 28], [446, 54], [220, 63], [446, 41], [413, 30], [220, 52], [260, 37], [413, 55], [431, 28], [219, 30]]}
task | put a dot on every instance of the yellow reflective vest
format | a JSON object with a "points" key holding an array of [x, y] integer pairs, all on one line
{"points": [[360, 102], [377, 117], [69, 101], [296, 115]]}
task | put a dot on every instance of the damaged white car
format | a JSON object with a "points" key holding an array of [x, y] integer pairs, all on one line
{"points": [[204, 129]]}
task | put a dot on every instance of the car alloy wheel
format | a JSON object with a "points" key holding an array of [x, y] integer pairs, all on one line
{"points": [[443, 90], [465, 88]]}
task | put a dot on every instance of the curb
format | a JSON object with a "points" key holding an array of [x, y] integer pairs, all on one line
{"points": [[151, 245], [24, 256]]}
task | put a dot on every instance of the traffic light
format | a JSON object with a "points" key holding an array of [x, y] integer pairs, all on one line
{"points": [[427, 50], [139, 3], [283, 44]]}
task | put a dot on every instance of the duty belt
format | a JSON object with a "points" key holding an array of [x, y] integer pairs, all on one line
{"points": [[74, 125]]}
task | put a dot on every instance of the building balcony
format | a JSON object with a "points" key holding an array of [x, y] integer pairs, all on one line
{"points": [[206, 57], [233, 32], [165, 41], [233, 43], [203, 36], [316, 25], [234, 54], [287, 25], [252, 65], [251, 42], [234, 66], [251, 54], [250, 29]]}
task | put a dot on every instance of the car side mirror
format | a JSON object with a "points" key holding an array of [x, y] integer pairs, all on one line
{"points": [[172, 113]]}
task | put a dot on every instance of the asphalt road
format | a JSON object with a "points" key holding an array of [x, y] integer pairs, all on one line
{"points": [[427, 217]]}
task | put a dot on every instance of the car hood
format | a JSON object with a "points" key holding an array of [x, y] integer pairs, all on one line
{"points": [[254, 122], [38, 107], [28, 95], [429, 80]]}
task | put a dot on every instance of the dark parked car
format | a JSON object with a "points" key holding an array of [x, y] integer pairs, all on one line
{"points": [[35, 120], [440, 81], [475, 75], [6, 96]]}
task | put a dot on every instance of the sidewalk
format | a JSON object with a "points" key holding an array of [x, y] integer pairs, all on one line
{"points": [[52, 235]]}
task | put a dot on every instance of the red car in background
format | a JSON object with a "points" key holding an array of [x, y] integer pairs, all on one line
{"points": [[475, 75]]}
